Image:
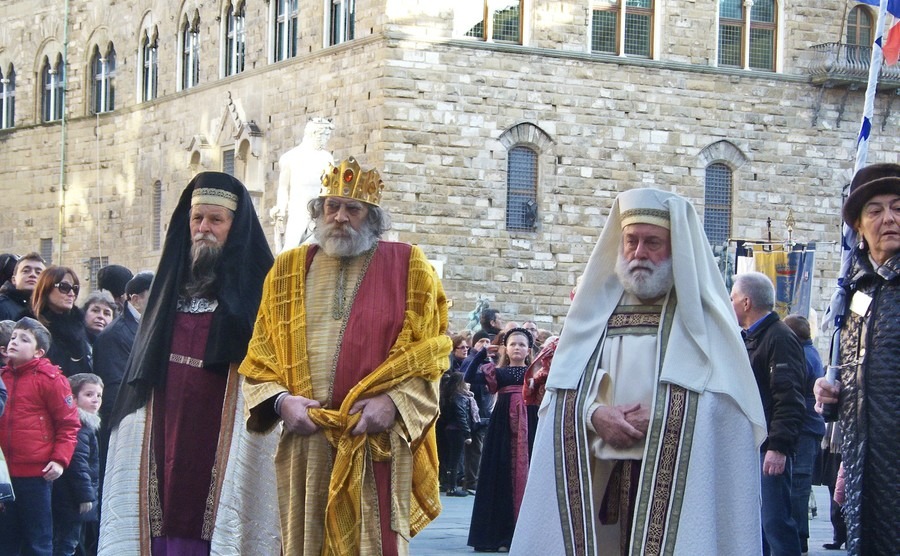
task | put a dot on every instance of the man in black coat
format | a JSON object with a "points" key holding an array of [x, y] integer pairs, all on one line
{"points": [[780, 368], [113, 346], [15, 296]]}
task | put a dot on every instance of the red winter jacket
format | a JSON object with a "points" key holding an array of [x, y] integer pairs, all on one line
{"points": [[40, 423]]}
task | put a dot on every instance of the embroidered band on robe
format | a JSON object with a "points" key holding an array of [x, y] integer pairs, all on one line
{"points": [[184, 360]]}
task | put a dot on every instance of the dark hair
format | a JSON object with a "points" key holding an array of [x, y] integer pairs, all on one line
{"points": [[522, 331], [40, 296], [33, 256], [78, 381], [453, 385], [41, 335], [487, 316], [799, 325], [8, 264]]}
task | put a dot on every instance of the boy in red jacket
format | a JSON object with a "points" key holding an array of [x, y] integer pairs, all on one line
{"points": [[38, 434]]}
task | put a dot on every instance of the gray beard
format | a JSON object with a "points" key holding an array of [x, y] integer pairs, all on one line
{"points": [[202, 281], [349, 244], [644, 284]]}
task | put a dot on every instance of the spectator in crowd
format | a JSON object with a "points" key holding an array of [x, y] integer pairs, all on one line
{"points": [[458, 414], [459, 353], [869, 351], [484, 400], [76, 493], [113, 278], [811, 432], [779, 365], [99, 310], [7, 267], [491, 323], [38, 435], [15, 295], [178, 422], [53, 304], [113, 346], [504, 458], [353, 373], [649, 334]]}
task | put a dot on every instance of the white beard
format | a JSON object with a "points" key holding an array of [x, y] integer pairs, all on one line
{"points": [[645, 279], [341, 240]]}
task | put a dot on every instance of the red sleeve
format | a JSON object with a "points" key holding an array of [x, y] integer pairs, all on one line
{"points": [[64, 415], [490, 376]]}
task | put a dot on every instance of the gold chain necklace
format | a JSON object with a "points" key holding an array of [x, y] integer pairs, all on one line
{"points": [[341, 306]]}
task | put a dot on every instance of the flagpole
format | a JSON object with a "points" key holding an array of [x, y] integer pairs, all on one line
{"points": [[839, 300]]}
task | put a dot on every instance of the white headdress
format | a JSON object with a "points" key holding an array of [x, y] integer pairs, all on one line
{"points": [[705, 350]]}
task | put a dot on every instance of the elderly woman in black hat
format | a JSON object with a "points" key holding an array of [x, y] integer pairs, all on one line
{"points": [[870, 375]]}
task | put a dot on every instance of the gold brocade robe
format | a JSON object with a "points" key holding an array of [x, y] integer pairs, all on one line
{"points": [[327, 492]]}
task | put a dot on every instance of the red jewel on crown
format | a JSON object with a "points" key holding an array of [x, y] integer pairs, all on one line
{"points": [[348, 176]]}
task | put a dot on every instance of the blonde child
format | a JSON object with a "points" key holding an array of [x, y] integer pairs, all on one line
{"points": [[38, 433], [76, 494]]}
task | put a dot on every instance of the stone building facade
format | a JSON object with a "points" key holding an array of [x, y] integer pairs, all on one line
{"points": [[438, 111]]}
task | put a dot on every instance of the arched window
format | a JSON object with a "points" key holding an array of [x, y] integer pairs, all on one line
{"points": [[53, 88], [235, 39], [190, 53], [606, 23], [493, 20], [521, 189], [8, 98], [287, 15], [149, 66], [103, 72], [859, 27], [717, 207], [756, 51], [342, 21]]}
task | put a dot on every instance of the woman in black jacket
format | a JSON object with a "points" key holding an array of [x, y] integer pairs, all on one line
{"points": [[53, 304]]}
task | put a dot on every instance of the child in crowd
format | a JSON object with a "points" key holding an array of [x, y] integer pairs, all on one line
{"points": [[75, 495], [458, 414], [6, 328], [37, 435]]}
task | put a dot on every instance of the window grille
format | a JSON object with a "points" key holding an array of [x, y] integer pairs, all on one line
{"points": [[8, 98], [156, 212], [287, 13], [638, 22], [762, 35], [521, 192], [859, 27], [717, 207], [47, 250], [604, 31], [760, 44], [96, 263], [228, 162], [504, 21]]}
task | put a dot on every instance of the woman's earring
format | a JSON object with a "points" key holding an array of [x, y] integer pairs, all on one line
{"points": [[862, 244]]}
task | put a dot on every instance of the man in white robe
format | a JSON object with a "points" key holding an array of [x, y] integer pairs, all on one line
{"points": [[649, 432]]}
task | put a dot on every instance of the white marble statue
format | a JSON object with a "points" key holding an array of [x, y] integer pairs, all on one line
{"points": [[299, 181]]}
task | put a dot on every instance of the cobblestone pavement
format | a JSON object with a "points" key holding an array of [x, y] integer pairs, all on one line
{"points": [[448, 533]]}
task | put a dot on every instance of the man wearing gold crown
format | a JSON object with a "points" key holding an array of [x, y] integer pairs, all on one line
{"points": [[347, 351], [649, 430], [183, 475]]}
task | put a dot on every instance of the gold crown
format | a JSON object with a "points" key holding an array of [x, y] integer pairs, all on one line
{"points": [[349, 181]]}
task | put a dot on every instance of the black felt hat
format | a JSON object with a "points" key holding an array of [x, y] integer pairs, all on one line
{"points": [[140, 283], [870, 181], [113, 278]]}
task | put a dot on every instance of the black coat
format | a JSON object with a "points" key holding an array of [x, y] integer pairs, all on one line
{"points": [[869, 409], [14, 304], [69, 347], [80, 482], [780, 369], [111, 350]]}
